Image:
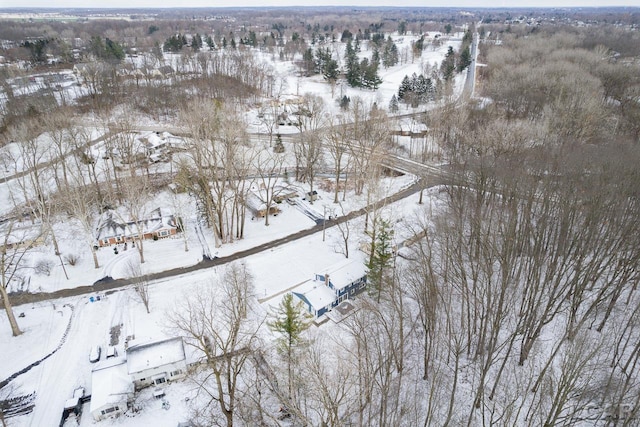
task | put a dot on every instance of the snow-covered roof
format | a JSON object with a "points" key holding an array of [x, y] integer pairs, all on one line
{"points": [[315, 293], [143, 356], [341, 275], [110, 384], [112, 226], [345, 273]]}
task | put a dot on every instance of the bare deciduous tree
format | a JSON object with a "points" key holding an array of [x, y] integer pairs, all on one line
{"points": [[219, 322]]}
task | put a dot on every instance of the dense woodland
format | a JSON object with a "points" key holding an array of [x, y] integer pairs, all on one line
{"points": [[519, 304]]}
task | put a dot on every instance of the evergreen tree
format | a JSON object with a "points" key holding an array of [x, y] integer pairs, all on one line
{"points": [[344, 102], [174, 43], [290, 322], [448, 64], [113, 50], [405, 87], [308, 62], [418, 46], [370, 78], [465, 59], [278, 147], [330, 71], [210, 43], [402, 27], [390, 55], [196, 42], [353, 66], [380, 258], [393, 104], [107, 50]]}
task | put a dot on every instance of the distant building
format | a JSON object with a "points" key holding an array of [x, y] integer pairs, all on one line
{"points": [[336, 285]]}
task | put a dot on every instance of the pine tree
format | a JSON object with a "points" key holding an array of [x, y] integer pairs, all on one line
{"points": [[353, 66], [448, 64], [380, 258], [344, 102], [196, 42], [290, 321], [330, 71], [390, 54], [405, 87], [465, 59], [370, 78], [393, 104]]}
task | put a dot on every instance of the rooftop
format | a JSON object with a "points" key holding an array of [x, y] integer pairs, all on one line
{"points": [[110, 384], [142, 356]]}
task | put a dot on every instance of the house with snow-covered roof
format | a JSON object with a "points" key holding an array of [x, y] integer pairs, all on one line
{"points": [[156, 362], [111, 389], [113, 229], [328, 290], [258, 207]]}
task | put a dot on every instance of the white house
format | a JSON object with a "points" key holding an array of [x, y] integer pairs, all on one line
{"points": [[156, 362], [111, 389]]}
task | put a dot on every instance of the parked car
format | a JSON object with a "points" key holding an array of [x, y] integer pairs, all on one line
{"points": [[94, 355]]}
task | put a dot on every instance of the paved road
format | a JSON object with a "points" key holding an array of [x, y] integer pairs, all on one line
{"points": [[105, 285]]}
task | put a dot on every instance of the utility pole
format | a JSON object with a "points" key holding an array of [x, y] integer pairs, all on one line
{"points": [[324, 222]]}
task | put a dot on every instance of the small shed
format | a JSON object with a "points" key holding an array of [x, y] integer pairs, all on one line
{"points": [[156, 362], [111, 389], [312, 196]]}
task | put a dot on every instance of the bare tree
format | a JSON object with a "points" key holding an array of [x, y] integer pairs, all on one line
{"points": [[219, 323], [15, 246], [345, 230], [140, 282], [308, 149], [269, 167]]}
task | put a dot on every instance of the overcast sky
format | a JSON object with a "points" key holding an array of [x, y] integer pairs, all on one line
{"points": [[253, 3]]}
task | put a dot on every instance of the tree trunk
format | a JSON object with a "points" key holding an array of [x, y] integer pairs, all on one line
{"points": [[15, 329], [94, 253]]}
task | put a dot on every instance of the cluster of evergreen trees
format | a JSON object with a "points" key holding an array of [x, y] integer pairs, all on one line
{"points": [[322, 62], [416, 90], [361, 73], [107, 50], [388, 52], [453, 62], [175, 43]]}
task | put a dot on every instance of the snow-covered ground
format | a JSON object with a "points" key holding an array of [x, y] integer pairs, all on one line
{"points": [[71, 326], [45, 324]]}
